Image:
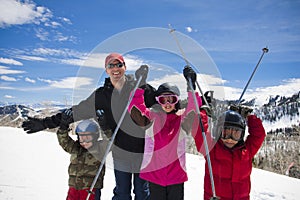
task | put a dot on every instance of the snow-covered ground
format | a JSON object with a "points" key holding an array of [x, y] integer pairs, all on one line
{"points": [[34, 167]]}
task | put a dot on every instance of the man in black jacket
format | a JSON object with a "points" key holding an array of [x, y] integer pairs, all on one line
{"points": [[112, 98]]}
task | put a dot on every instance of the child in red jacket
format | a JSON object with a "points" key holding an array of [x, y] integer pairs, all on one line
{"points": [[231, 156]]}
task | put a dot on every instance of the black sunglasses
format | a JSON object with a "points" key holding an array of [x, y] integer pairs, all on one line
{"points": [[118, 65]]}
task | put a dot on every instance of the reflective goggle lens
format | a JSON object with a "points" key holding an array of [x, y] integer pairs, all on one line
{"points": [[230, 132], [118, 65], [85, 141], [85, 138], [164, 99]]}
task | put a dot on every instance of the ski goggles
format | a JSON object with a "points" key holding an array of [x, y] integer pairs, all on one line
{"points": [[170, 99], [111, 65], [232, 132], [83, 138]]}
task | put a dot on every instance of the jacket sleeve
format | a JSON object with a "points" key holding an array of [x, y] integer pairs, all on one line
{"points": [[256, 134], [191, 106], [85, 109], [149, 95], [66, 142], [138, 102], [197, 133]]}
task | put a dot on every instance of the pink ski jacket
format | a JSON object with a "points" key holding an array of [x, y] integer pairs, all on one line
{"points": [[164, 156]]}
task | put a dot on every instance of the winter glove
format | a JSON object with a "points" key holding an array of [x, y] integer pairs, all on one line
{"points": [[244, 111], [103, 123], [142, 72], [32, 125], [66, 119], [207, 109], [189, 73], [207, 97]]}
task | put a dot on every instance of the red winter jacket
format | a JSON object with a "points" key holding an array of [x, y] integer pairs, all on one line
{"points": [[232, 167]]}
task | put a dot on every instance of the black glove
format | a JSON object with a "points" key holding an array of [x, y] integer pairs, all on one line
{"points": [[208, 97], [103, 123], [244, 111], [142, 72], [32, 125], [66, 119], [189, 73]]}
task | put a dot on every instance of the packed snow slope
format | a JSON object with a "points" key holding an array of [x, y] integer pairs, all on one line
{"points": [[34, 167]]}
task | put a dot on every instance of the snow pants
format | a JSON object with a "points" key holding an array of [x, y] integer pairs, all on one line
{"points": [[169, 192], [74, 194]]}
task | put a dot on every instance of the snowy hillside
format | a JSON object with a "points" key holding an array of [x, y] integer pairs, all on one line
{"points": [[34, 167]]}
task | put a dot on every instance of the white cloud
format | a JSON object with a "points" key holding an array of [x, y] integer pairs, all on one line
{"points": [[42, 34], [287, 88], [32, 58], [53, 24], [16, 13], [261, 94], [188, 29], [29, 80], [7, 88], [64, 52], [8, 96], [71, 82], [10, 61], [6, 70], [60, 37], [45, 80], [66, 20], [7, 78], [206, 83]]}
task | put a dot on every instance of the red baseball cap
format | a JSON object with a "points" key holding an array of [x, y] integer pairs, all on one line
{"points": [[113, 56]]}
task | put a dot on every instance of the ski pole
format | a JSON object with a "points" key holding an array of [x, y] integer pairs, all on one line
{"points": [[204, 98], [112, 139], [204, 141], [172, 31], [265, 50]]}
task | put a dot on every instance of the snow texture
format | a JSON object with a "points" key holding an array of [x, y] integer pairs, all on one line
{"points": [[34, 167]]}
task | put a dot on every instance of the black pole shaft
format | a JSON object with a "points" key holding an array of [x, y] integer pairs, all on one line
{"points": [[265, 50], [108, 148]]}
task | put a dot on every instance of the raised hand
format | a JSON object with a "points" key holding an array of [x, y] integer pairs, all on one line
{"points": [[243, 110], [142, 72], [66, 119], [188, 74]]}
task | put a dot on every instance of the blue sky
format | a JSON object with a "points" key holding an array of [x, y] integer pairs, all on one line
{"points": [[53, 51]]}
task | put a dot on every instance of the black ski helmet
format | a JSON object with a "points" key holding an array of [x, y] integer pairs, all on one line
{"points": [[230, 118], [233, 118], [169, 88]]}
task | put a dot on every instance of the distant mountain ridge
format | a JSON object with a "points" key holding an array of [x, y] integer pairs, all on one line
{"points": [[272, 111]]}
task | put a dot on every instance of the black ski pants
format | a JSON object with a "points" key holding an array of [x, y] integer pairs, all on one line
{"points": [[170, 192]]}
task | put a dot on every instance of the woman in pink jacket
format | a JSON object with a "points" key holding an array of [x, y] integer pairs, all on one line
{"points": [[164, 156], [231, 156]]}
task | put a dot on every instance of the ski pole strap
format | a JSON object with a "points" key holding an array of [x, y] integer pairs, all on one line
{"points": [[113, 138], [204, 140]]}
